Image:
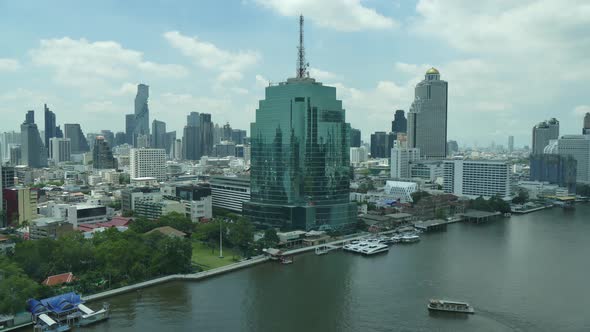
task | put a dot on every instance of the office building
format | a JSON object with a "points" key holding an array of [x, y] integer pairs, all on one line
{"points": [[170, 140], [427, 119], [102, 156], [428, 170], [399, 123], [381, 144], [300, 164], [358, 155], [190, 143], [355, 138], [229, 193], [154, 209], [554, 168], [51, 130], [21, 204], [60, 149], [158, 135], [8, 139], [224, 149], [120, 138], [586, 128], [401, 157], [130, 128], [197, 200], [400, 191], [148, 163], [510, 144], [176, 151], [142, 111], [578, 147], [78, 142], [33, 151], [15, 155], [543, 133], [108, 136], [226, 132], [474, 178], [238, 135], [452, 147]]}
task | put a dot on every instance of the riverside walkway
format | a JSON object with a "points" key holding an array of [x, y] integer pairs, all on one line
{"points": [[174, 277]]}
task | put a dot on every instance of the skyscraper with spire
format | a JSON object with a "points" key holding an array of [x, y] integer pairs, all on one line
{"points": [[300, 156], [427, 119]]}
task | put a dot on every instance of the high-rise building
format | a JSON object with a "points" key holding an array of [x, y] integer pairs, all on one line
{"points": [[543, 133], [226, 132], [158, 135], [170, 139], [60, 149], [77, 139], [120, 138], [224, 149], [51, 130], [206, 127], [177, 150], [15, 155], [578, 147], [399, 123], [358, 155], [142, 111], [190, 143], [401, 157], [3, 220], [238, 135], [193, 119], [452, 147], [553, 168], [510, 144], [381, 144], [586, 129], [8, 139], [427, 119], [300, 167], [108, 136], [102, 155], [474, 178], [130, 128], [34, 153], [355, 138], [148, 163]]}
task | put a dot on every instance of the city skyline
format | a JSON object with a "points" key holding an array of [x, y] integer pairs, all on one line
{"points": [[232, 65]]}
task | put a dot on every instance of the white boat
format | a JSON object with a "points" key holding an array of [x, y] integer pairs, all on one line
{"points": [[321, 250], [373, 249], [451, 306], [90, 316], [409, 238], [396, 238]]}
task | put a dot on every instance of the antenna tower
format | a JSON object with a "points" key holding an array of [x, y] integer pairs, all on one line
{"points": [[301, 64]]}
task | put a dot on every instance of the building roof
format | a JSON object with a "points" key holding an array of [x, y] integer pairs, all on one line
{"points": [[59, 279], [432, 71], [167, 230]]}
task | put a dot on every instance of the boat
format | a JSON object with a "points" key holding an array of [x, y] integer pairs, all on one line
{"points": [[410, 238], [375, 249], [321, 250], [90, 316], [286, 260], [44, 323], [396, 239], [450, 306]]}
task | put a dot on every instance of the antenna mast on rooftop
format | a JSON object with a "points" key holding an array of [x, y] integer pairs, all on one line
{"points": [[301, 64]]}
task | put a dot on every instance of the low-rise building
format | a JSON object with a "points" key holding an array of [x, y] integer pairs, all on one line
{"points": [[49, 227], [230, 192]]}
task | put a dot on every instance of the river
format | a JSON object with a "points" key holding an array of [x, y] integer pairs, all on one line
{"points": [[525, 273]]}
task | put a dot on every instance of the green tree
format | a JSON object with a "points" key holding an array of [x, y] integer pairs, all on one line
{"points": [[177, 221], [521, 198], [418, 195], [15, 287], [271, 239], [241, 235]]}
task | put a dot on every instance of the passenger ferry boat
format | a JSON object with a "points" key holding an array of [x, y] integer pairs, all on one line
{"points": [[410, 238], [451, 306], [373, 249], [321, 250]]}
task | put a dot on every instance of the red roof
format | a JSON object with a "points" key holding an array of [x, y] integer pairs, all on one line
{"points": [[59, 279], [115, 222]]}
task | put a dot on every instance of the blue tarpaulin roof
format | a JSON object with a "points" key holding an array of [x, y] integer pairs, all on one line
{"points": [[57, 304]]}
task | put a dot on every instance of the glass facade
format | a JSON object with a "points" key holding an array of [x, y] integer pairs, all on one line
{"points": [[300, 171]]}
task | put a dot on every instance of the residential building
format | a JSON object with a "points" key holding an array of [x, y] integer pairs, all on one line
{"points": [[427, 119], [130, 196], [102, 155], [401, 157], [578, 147], [8, 139], [21, 204], [543, 133], [230, 193], [399, 123], [60, 149], [554, 168], [300, 165], [148, 163], [474, 178], [358, 155]]}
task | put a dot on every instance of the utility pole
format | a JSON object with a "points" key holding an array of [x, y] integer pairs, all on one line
{"points": [[220, 241]]}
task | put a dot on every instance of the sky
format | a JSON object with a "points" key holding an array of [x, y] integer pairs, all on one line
{"points": [[509, 64]]}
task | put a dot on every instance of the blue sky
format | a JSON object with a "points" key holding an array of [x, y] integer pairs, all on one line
{"points": [[509, 64]]}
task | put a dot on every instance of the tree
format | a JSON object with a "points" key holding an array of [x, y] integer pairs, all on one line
{"points": [[521, 198], [241, 235], [418, 195], [15, 287], [271, 239], [177, 221]]}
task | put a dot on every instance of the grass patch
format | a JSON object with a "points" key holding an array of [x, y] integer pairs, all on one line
{"points": [[207, 259]]}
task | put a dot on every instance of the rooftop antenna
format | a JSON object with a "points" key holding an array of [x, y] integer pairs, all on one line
{"points": [[301, 64]]}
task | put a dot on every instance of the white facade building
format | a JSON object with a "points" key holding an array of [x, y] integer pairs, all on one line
{"points": [[230, 192], [577, 146], [400, 190], [60, 149], [358, 155], [201, 209], [148, 163], [474, 178], [401, 157]]}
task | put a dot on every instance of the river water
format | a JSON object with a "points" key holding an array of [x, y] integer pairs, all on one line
{"points": [[525, 273]]}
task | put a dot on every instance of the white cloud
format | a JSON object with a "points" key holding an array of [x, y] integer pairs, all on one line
{"points": [[9, 64], [322, 75], [343, 15], [209, 56], [80, 62], [261, 81]]}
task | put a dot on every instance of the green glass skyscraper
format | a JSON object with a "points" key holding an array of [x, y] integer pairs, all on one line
{"points": [[300, 171]]}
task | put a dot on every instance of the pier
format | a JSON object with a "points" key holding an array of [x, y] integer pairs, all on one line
{"points": [[477, 216]]}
